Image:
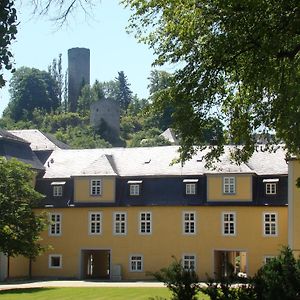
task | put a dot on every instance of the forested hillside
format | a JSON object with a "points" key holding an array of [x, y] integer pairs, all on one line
{"points": [[38, 99]]}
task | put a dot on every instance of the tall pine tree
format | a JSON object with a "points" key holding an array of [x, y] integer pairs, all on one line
{"points": [[124, 93]]}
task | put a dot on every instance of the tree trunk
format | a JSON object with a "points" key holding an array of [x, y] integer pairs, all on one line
{"points": [[30, 268], [8, 266]]}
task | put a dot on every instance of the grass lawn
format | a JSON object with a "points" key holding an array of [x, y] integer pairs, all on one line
{"points": [[86, 293]]}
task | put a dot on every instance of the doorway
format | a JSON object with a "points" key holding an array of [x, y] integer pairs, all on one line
{"points": [[95, 264], [230, 262]]}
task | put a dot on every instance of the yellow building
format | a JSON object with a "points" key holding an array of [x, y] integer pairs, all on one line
{"points": [[119, 213]]}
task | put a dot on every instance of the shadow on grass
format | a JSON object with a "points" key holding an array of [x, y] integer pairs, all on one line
{"points": [[24, 291]]}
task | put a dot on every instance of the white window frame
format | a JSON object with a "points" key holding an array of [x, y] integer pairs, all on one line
{"points": [[55, 226], [95, 225], [188, 260], [51, 256], [271, 188], [190, 188], [134, 189], [229, 185], [189, 222], [120, 223], [136, 263], [268, 257], [96, 187], [270, 227], [228, 224], [57, 190], [145, 223]]}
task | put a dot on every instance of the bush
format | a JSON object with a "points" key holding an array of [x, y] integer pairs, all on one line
{"points": [[184, 284]]}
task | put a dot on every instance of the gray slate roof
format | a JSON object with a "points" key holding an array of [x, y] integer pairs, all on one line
{"points": [[155, 161], [38, 140]]}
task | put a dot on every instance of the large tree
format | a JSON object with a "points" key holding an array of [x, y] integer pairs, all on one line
{"points": [[124, 96], [19, 225], [8, 30], [237, 60], [31, 88]]}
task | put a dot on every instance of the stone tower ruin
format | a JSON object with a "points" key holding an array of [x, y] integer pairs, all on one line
{"points": [[78, 74]]}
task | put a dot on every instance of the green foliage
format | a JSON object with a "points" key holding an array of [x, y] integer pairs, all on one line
{"points": [[184, 284], [229, 288], [235, 60], [124, 95], [81, 137], [279, 279], [8, 31], [147, 138], [30, 89], [19, 225]]}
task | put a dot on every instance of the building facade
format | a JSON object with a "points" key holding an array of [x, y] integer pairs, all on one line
{"points": [[119, 213]]}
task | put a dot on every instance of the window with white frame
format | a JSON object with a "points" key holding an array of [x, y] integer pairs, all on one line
{"points": [[55, 261], [268, 258], [55, 224], [189, 262], [57, 190], [271, 188], [270, 224], [120, 223], [228, 223], [95, 187], [229, 185], [136, 263], [145, 223], [190, 188], [189, 223], [134, 189], [95, 219]]}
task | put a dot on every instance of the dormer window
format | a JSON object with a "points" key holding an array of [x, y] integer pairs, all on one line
{"points": [[271, 186], [190, 186], [135, 187], [95, 187], [58, 188], [229, 185]]}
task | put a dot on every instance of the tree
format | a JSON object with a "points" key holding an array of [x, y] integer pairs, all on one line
{"points": [[124, 96], [19, 225], [235, 60], [279, 279], [29, 89], [184, 284], [8, 31], [55, 70], [61, 9]]}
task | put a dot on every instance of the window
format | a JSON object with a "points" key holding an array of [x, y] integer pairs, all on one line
{"points": [[228, 223], [189, 223], [229, 185], [95, 187], [270, 224], [190, 188], [95, 223], [57, 190], [271, 188], [145, 223], [189, 262], [55, 261], [267, 259], [120, 226], [134, 189], [136, 263], [55, 224]]}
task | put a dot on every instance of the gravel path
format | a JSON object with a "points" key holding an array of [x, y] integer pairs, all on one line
{"points": [[76, 283]]}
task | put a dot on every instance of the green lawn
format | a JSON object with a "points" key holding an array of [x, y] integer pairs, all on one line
{"points": [[86, 293]]}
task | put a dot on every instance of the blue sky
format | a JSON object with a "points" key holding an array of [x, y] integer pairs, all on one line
{"points": [[112, 49]]}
